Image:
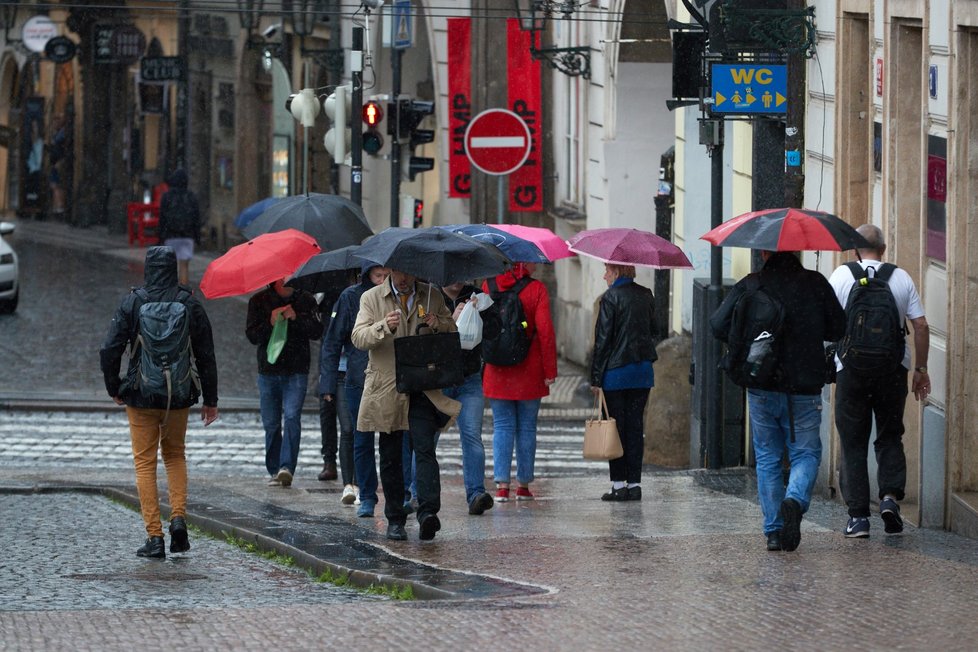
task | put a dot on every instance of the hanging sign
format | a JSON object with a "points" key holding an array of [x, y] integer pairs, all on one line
{"points": [[60, 49], [37, 32], [459, 105], [525, 99]]}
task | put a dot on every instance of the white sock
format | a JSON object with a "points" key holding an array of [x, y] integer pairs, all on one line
{"points": [[632, 485], [890, 497], [617, 485]]}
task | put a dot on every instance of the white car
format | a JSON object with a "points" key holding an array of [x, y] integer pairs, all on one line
{"points": [[9, 276]]}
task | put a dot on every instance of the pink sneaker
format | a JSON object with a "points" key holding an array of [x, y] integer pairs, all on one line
{"points": [[502, 495], [523, 493]]}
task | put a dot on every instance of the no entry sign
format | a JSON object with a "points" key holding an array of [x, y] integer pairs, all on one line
{"points": [[497, 141]]}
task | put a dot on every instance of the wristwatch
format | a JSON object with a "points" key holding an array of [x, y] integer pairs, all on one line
{"points": [[921, 370]]}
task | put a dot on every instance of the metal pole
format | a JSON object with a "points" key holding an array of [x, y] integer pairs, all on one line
{"points": [[183, 29], [356, 136], [714, 296], [395, 145], [501, 199], [305, 136]]}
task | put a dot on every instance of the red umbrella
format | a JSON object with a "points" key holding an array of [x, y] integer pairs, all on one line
{"points": [[256, 263], [787, 229], [548, 242], [629, 247]]}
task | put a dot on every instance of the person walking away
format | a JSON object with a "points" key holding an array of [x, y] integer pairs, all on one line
{"points": [[179, 225], [282, 383], [329, 413], [159, 422], [389, 311], [469, 394], [57, 151], [865, 390], [515, 390], [344, 385], [786, 411], [621, 367]]}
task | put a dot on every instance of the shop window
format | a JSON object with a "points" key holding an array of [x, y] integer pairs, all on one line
{"points": [[936, 240], [877, 147]]}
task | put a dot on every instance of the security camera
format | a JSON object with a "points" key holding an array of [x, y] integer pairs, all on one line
{"points": [[271, 31]]}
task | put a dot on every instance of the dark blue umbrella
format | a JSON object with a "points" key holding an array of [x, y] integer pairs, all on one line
{"points": [[248, 215], [328, 271], [515, 248], [332, 220]]}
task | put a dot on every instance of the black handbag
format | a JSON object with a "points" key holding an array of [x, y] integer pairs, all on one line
{"points": [[432, 361]]}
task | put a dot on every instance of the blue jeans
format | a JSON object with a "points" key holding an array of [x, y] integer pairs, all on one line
{"points": [[514, 421], [469, 394], [280, 401], [364, 450], [770, 432]]}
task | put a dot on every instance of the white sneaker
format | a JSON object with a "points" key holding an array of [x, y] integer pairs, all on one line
{"points": [[274, 482], [285, 477], [350, 494]]}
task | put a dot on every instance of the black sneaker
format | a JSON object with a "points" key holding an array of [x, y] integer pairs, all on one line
{"points": [[774, 541], [635, 493], [857, 528], [791, 530], [396, 532], [179, 541], [429, 525], [890, 513], [616, 495], [480, 504], [154, 548]]}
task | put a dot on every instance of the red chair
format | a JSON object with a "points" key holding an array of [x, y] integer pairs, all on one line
{"points": [[143, 221]]}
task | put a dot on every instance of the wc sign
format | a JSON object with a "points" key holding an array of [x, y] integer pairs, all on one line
{"points": [[749, 88]]}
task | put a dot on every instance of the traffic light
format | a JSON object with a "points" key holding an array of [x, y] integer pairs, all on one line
{"points": [[337, 139], [373, 117], [411, 214], [418, 213], [409, 114], [303, 106]]}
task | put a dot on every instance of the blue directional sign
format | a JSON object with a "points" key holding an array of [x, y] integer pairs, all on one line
{"points": [[749, 88], [401, 34]]}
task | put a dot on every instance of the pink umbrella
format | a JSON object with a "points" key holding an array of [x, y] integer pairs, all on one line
{"points": [[549, 243], [629, 247]]}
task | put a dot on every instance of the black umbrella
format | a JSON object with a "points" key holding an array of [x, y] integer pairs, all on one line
{"points": [[435, 255], [327, 271], [332, 220]]}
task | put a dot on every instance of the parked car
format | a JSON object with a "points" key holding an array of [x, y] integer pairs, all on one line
{"points": [[9, 273]]}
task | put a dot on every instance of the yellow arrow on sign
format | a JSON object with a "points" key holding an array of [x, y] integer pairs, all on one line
{"points": [[720, 99], [779, 99], [749, 99]]}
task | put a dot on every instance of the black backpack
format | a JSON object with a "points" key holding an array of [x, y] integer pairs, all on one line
{"points": [[166, 369], [754, 342], [874, 342], [512, 344]]}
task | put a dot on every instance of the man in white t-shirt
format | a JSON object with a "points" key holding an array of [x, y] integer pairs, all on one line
{"points": [[860, 397]]}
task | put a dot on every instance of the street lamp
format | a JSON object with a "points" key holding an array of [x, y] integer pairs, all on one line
{"points": [[249, 11], [8, 15], [534, 16]]}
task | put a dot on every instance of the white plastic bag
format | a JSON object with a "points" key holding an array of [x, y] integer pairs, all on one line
{"points": [[470, 326]]}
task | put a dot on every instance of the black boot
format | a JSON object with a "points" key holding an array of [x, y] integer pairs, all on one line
{"points": [[154, 547], [179, 541]]}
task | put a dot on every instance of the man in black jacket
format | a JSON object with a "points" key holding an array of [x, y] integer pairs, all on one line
{"points": [[282, 380], [789, 414], [179, 225], [152, 424]]}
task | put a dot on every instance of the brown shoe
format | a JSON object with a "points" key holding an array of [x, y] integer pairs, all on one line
{"points": [[328, 472]]}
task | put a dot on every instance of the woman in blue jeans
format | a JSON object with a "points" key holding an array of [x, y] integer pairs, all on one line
{"points": [[621, 367]]}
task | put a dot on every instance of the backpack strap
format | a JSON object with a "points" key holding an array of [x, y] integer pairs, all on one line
{"points": [[885, 271], [493, 288], [521, 283], [857, 270]]}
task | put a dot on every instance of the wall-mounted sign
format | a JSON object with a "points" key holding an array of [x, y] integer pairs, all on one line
{"points": [[879, 77], [160, 69], [37, 32], [932, 81], [128, 43], [749, 88], [60, 49]]}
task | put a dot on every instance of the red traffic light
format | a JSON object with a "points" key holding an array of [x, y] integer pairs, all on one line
{"points": [[373, 113]]}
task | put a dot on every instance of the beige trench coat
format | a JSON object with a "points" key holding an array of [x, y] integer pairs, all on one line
{"points": [[383, 408]]}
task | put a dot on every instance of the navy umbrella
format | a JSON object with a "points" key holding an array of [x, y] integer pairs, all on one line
{"points": [[515, 248], [332, 220], [433, 254], [327, 271], [248, 215]]}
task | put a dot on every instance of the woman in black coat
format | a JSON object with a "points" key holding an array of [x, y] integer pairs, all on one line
{"points": [[621, 366]]}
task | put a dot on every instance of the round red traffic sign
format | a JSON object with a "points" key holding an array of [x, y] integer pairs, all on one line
{"points": [[497, 141]]}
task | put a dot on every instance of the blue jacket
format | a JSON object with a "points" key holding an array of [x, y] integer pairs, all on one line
{"points": [[337, 341]]}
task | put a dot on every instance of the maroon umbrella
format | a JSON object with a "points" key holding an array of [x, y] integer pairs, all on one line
{"points": [[787, 229], [256, 263], [620, 246]]}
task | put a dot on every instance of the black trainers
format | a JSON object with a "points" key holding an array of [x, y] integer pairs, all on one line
{"points": [[396, 532], [429, 525], [791, 530], [774, 541], [857, 528], [179, 541], [890, 513], [480, 504], [616, 495], [635, 493], [154, 548]]}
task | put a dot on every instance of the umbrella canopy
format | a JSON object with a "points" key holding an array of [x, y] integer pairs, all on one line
{"points": [[515, 248], [629, 247], [327, 271], [332, 220], [436, 255], [248, 215], [786, 229], [256, 263], [549, 243]]}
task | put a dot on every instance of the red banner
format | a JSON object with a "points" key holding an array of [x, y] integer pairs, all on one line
{"points": [[459, 104], [525, 100]]}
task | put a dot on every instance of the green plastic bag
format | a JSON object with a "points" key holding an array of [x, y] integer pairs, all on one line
{"points": [[280, 332]]}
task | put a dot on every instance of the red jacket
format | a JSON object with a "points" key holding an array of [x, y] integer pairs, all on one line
{"points": [[525, 381]]}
